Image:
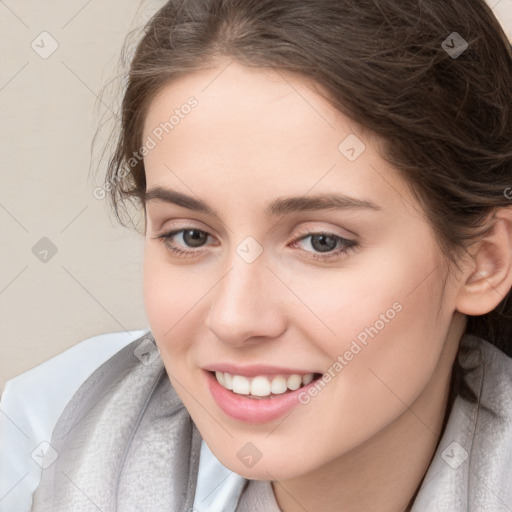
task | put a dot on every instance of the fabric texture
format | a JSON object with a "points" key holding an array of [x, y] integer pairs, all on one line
{"points": [[126, 443], [31, 405], [472, 467]]}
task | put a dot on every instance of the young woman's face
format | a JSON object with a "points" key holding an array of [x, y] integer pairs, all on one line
{"points": [[295, 250]]}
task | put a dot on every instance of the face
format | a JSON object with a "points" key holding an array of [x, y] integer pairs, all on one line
{"points": [[280, 247]]}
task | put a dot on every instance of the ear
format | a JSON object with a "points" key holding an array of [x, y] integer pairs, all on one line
{"points": [[488, 273]]}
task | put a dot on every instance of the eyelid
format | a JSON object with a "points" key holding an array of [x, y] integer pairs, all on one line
{"points": [[347, 245], [166, 234], [173, 225], [312, 229]]}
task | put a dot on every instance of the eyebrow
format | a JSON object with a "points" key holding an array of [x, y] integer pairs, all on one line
{"points": [[279, 206]]}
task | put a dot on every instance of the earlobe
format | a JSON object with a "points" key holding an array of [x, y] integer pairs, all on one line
{"points": [[489, 275]]}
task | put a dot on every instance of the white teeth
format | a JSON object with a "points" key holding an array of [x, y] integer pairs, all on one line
{"points": [[307, 379], [261, 385], [241, 385], [228, 381], [294, 381], [220, 378], [278, 385]]}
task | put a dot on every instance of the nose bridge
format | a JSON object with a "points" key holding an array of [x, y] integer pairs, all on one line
{"points": [[242, 305], [241, 285]]}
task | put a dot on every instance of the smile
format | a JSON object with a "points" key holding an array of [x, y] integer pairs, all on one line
{"points": [[262, 386]]}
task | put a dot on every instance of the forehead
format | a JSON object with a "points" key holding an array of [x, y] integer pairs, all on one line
{"points": [[252, 127], [232, 97]]}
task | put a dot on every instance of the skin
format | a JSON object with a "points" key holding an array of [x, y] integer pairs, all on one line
{"points": [[257, 135]]}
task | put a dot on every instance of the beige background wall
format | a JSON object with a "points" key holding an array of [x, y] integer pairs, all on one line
{"points": [[49, 114]]}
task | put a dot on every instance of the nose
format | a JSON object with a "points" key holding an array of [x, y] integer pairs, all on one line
{"points": [[245, 305]]}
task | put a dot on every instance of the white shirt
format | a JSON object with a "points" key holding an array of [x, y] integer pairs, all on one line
{"points": [[32, 403]]}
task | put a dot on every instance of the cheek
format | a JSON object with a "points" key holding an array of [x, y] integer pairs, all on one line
{"points": [[384, 319], [365, 300], [171, 294]]}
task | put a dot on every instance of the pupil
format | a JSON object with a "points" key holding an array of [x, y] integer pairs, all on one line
{"points": [[323, 243], [194, 237]]}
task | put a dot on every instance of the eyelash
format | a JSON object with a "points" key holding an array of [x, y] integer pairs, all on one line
{"points": [[346, 247], [349, 245]]}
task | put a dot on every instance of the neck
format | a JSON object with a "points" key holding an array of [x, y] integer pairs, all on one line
{"points": [[386, 472]]}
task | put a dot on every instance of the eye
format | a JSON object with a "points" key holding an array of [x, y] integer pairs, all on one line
{"points": [[324, 245], [193, 237], [188, 242], [184, 241]]}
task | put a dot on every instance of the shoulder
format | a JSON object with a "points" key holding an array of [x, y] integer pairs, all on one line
{"points": [[32, 403], [473, 461], [492, 379]]}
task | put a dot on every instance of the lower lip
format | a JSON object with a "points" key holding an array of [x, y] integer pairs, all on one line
{"points": [[253, 410]]}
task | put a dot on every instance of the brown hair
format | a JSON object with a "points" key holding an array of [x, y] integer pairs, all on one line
{"points": [[390, 65]]}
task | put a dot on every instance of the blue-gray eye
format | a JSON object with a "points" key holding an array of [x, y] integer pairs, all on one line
{"points": [[323, 243]]}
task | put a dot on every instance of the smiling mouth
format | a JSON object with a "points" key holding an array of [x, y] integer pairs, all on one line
{"points": [[263, 386]]}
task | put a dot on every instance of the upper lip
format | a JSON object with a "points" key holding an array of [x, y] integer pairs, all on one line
{"points": [[254, 370]]}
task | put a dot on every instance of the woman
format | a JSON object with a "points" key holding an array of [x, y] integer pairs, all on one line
{"points": [[328, 264]]}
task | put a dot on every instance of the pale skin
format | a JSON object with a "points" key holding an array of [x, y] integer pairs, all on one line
{"points": [[366, 441]]}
